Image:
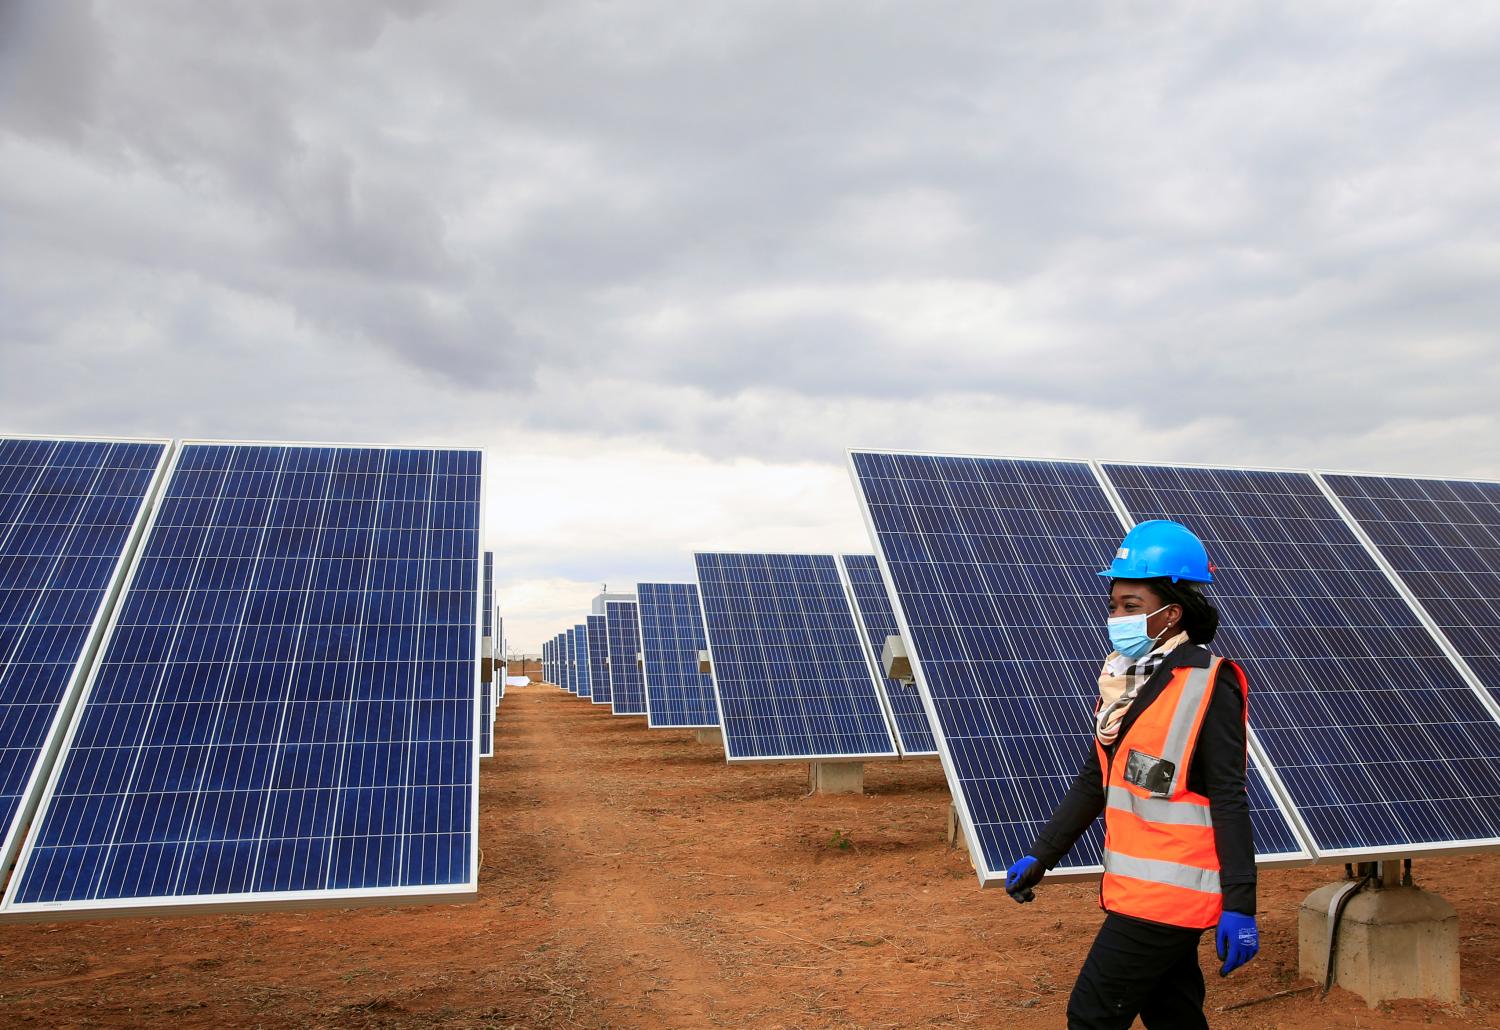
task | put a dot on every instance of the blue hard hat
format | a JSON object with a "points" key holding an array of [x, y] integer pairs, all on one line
{"points": [[1161, 548]]}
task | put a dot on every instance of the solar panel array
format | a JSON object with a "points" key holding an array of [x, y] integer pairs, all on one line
{"points": [[993, 566], [678, 696], [570, 682], [1382, 745], [487, 686], [877, 621], [624, 642], [1441, 537], [69, 510], [793, 678], [283, 707], [501, 664], [582, 673], [598, 666]]}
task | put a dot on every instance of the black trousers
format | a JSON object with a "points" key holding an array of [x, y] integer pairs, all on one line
{"points": [[1141, 969]]}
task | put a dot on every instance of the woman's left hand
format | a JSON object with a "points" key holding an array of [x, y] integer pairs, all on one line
{"points": [[1237, 940]]}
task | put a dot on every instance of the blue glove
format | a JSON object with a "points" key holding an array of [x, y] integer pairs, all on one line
{"points": [[1237, 940], [1021, 877]]}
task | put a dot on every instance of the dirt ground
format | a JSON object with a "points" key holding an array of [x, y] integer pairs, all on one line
{"points": [[633, 879]]}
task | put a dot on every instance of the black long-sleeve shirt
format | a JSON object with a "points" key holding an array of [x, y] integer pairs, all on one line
{"points": [[1216, 770]]}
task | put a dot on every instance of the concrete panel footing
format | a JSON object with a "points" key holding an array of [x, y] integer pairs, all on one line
{"points": [[956, 838], [710, 735], [836, 777], [1394, 942]]}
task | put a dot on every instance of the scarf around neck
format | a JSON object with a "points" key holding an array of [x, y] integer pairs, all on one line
{"points": [[1121, 680]]}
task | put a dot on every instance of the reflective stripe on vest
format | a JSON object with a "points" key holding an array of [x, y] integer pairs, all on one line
{"points": [[1159, 810], [1185, 720], [1157, 871]]}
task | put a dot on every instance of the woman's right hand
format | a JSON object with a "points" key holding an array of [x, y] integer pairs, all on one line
{"points": [[1022, 877]]}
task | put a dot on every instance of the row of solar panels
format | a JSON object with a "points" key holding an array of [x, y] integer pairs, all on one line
{"points": [[1366, 610], [493, 645], [237, 674], [816, 695]]}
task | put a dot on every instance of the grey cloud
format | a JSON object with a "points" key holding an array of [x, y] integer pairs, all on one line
{"points": [[747, 229]]}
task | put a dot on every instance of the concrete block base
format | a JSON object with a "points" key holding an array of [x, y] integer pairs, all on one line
{"points": [[836, 777], [710, 735], [1394, 942]]}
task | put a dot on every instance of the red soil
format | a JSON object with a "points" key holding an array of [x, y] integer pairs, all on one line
{"points": [[632, 878]]}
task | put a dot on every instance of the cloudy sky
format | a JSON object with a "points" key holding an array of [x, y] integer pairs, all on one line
{"points": [[667, 260]]}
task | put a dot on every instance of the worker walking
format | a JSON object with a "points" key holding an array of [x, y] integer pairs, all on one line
{"points": [[1167, 769]]}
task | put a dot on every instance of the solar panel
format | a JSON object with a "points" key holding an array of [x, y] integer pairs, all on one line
{"points": [[678, 696], [877, 621], [1383, 747], [570, 667], [790, 667], [501, 665], [284, 705], [628, 690], [1441, 538], [486, 720], [69, 512], [991, 564], [487, 600], [598, 652], [582, 671]]}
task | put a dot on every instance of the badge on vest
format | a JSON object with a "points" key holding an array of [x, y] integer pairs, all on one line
{"points": [[1148, 773]]}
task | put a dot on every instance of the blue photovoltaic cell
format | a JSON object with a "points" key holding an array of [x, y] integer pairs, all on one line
{"points": [[789, 664], [486, 721], [677, 694], [993, 562], [68, 509], [570, 667], [1381, 744], [627, 689], [284, 704], [598, 667], [878, 622], [581, 671], [487, 601], [1442, 537]]}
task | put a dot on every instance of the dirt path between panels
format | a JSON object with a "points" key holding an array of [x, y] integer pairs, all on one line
{"points": [[632, 879]]}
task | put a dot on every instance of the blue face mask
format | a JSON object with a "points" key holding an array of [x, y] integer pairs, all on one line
{"points": [[1129, 636]]}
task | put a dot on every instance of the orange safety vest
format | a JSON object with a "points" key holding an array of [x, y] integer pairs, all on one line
{"points": [[1160, 862]]}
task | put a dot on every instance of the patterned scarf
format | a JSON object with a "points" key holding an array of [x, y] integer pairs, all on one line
{"points": [[1121, 680]]}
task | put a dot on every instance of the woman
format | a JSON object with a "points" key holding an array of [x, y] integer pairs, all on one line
{"points": [[1168, 771]]}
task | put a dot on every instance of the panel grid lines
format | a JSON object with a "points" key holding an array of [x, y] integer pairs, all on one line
{"points": [[68, 510], [878, 621], [284, 706], [678, 696], [598, 666], [624, 641], [1381, 744], [582, 675], [1441, 537], [789, 664], [993, 566]]}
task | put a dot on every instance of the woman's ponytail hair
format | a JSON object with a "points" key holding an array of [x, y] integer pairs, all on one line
{"points": [[1200, 619]]}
